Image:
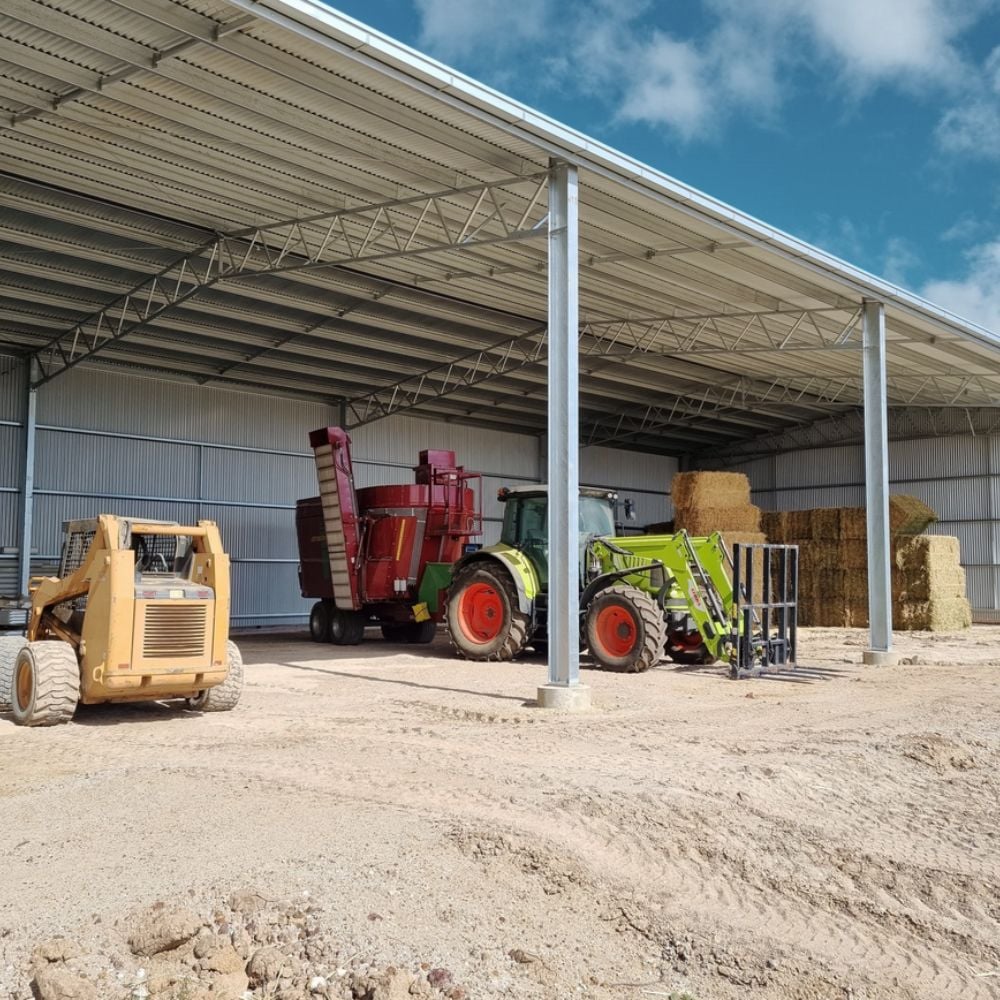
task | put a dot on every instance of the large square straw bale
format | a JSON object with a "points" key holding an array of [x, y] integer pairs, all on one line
{"points": [[705, 520], [908, 515], [934, 616], [710, 489]]}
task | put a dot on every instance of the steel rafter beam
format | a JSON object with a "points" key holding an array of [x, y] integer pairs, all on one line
{"points": [[905, 423], [737, 332], [406, 227]]}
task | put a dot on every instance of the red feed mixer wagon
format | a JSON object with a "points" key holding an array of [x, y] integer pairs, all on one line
{"points": [[381, 555]]}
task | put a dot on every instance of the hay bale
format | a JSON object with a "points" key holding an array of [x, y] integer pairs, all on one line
{"points": [[908, 515], [705, 520], [853, 524], [798, 524], [774, 524], [846, 554], [710, 489], [934, 616], [824, 523], [929, 568]]}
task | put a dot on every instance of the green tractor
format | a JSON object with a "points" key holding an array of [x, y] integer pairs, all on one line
{"points": [[641, 596]]}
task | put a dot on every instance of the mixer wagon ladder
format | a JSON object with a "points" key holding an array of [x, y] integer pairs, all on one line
{"points": [[335, 473]]}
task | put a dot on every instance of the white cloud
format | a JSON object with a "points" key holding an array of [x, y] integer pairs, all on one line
{"points": [[972, 128], [743, 63], [457, 29], [900, 260], [975, 297]]}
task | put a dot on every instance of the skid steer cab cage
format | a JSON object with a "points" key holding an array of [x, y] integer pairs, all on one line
{"points": [[765, 608]]}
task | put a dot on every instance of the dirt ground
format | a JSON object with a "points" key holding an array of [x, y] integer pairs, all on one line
{"points": [[831, 834]]}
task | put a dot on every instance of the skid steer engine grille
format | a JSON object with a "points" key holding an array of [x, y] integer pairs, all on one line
{"points": [[175, 630]]}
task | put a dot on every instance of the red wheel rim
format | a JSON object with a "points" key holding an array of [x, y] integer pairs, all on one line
{"points": [[688, 642], [481, 613], [616, 631]]}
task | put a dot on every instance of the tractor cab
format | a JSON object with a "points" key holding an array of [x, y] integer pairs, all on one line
{"points": [[525, 522]]}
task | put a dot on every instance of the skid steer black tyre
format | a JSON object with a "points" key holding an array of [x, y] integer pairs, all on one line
{"points": [[415, 633], [223, 697], [10, 646], [45, 686], [319, 621], [347, 628], [625, 629], [482, 613]]}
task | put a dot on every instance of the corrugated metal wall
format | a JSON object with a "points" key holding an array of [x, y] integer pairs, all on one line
{"points": [[125, 444], [11, 460], [958, 476]]}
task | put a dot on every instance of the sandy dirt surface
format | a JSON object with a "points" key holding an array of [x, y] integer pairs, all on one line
{"points": [[835, 834]]}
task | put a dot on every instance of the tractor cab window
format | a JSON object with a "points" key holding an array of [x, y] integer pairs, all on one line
{"points": [[596, 517], [525, 521]]}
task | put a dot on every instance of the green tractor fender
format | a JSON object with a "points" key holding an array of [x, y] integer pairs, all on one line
{"points": [[518, 565]]}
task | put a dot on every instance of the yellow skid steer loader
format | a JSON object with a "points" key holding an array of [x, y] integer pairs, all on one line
{"points": [[139, 612]]}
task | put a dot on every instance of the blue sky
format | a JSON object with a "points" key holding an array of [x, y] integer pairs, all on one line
{"points": [[868, 127]]}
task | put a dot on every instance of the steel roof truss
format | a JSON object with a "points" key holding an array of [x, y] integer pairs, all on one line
{"points": [[298, 244]]}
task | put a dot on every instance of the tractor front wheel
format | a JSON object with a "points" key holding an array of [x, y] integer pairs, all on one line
{"points": [[45, 686], [484, 620], [625, 629]]}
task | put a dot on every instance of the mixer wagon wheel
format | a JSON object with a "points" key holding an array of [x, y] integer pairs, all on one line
{"points": [[347, 628], [688, 648], [484, 620], [625, 629], [45, 686], [319, 622]]}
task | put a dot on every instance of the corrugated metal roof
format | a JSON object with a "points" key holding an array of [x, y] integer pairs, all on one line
{"points": [[135, 130]]}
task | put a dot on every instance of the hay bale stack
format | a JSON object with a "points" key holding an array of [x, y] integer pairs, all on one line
{"points": [[928, 582], [710, 489], [909, 516], [730, 538], [713, 501]]}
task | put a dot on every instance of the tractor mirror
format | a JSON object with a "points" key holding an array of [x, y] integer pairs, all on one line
{"points": [[629, 510]]}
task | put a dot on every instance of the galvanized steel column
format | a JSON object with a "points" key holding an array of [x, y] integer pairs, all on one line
{"points": [[877, 479], [27, 482], [563, 437]]}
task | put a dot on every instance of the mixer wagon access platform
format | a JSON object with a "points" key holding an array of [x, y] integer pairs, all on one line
{"points": [[383, 554]]}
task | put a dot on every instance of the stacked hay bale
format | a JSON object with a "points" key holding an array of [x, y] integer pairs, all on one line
{"points": [[928, 583], [705, 502], [715, 501]]}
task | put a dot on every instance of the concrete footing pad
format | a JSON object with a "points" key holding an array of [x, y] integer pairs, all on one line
{"points": [[565, 697], [880, 658]]}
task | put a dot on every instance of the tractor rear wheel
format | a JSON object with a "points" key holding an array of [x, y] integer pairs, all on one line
{"points": [[347, 628], [625, 629], [415, 633], [10, 646], [319, 622], [223, 697], [45, 685], [484, 620], [688, 648]]}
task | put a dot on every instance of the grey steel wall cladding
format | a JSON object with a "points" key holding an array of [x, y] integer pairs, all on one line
{"points": [[133, 445], [958, 476]]}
